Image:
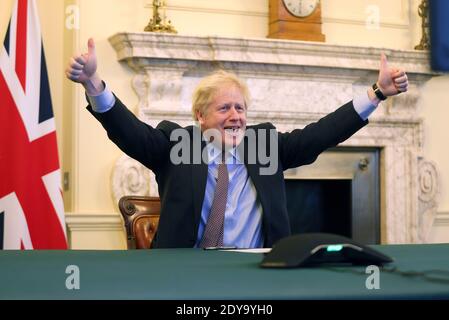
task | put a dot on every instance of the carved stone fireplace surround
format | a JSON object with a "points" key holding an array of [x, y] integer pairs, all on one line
{"points": [[292, 83]]}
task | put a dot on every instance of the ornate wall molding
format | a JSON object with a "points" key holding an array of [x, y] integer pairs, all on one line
{"points": [[93, 222], [130, 177], [442, 219], [428, 181], [399, 21], [100, 228], [292, 84]]}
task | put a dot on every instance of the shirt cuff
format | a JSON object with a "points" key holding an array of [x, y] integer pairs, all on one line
{"points": [[102, 102], [363, 106]]}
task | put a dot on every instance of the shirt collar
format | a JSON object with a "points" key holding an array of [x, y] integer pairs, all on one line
{"points": [[214, 155]]}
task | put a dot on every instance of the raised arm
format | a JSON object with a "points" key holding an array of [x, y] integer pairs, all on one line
{"points": [[302, 146], [137, 139]]}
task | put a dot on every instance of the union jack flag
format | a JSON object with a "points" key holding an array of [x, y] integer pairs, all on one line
{"points": [[31, 207]]}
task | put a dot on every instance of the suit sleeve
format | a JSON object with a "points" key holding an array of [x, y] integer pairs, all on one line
{"points": [[303, 146], [137, 139]]}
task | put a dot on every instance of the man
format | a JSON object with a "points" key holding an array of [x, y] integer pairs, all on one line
{"points": [[231, 197]]}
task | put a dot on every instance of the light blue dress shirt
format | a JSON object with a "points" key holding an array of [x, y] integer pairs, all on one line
{"points": [[243, 215]]}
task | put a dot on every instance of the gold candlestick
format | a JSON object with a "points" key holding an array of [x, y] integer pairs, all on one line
{"points": [[423, 12], [157, 24]]}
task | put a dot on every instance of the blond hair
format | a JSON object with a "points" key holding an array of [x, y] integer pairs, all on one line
{"points": [[208, 87]]}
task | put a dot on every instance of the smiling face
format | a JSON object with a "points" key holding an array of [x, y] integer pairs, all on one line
{"points": [[226, 114]]}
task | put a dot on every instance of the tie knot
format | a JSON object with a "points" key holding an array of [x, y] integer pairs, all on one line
{"points": [[224, 154]]}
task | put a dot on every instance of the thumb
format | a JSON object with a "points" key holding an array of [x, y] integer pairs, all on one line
{"points": [[383, 62], [91, 46]]}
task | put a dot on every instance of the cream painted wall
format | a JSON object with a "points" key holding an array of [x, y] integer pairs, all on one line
{"points": [[435, 111], [89, 156]]}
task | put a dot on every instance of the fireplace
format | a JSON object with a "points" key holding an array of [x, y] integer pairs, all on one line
{"points": [[338, 193], [320, 206], [294, 83]]}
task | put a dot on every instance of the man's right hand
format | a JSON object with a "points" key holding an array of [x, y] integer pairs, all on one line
{"points": [[83, 69]]}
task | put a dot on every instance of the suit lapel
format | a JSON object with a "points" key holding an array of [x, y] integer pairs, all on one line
{"points": [[199, 179], [258, 181]]}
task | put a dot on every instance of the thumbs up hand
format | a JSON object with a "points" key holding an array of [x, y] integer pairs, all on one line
{"points": [[82, 69], [391, 81]]}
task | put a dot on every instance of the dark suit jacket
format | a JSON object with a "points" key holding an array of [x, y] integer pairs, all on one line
{"points": [[182, 186]]}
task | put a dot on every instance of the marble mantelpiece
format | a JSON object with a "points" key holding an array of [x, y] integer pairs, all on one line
{"points": [[292, 83]]}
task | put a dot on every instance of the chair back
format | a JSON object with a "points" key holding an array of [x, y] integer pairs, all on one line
{"points": [[141, 217]]}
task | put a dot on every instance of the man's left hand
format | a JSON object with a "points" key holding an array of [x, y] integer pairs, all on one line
{"points": [[391, 81]]}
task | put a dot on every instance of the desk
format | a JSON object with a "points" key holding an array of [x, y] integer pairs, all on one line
{"points": [[198, 274]]}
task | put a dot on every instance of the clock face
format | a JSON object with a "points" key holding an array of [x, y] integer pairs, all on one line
{"points": [[301, 8]]}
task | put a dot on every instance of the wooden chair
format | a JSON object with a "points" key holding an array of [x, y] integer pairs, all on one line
{"points": [[141, 216]]}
